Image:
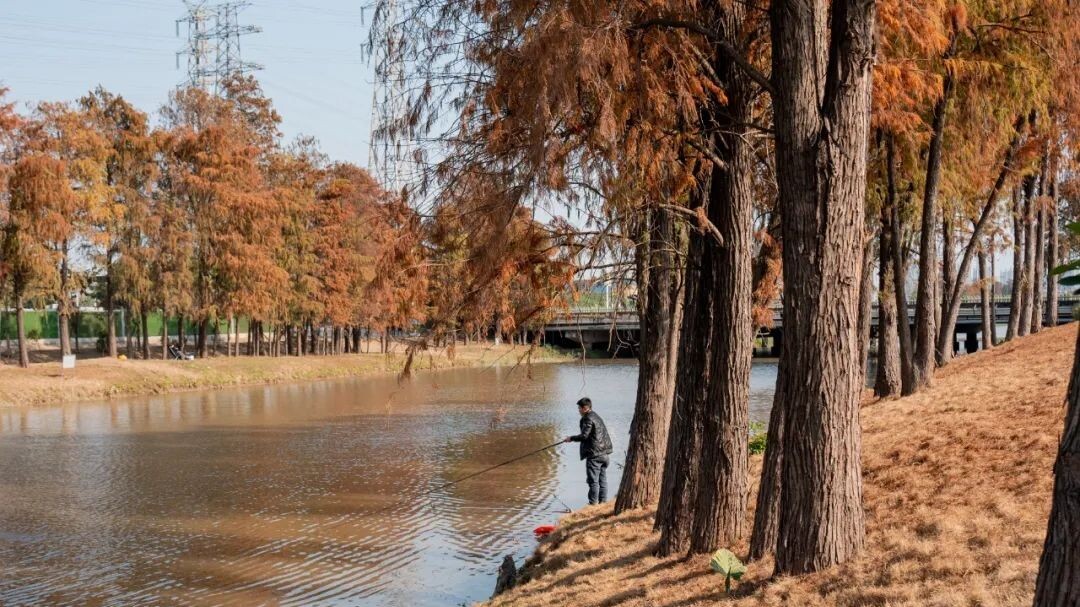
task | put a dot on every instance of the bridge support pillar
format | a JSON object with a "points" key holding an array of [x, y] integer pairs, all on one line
{"points": [[777, 342], [971, 341]]}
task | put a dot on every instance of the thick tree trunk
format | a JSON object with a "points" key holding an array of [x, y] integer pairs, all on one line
{"points": [[681, 464], [706, 504], [1058, 582], [986, 298], [660, 283], [944, 351], [908, 383], [866, 304], [20, 330], [993, 295], [1052, 253], [63, 319], [181, 334], [767, 511], [1039, 266], [110, 315], [822, 54], [63, 310], [1027, 283], [144, 325], [201, 342], [1016, 291], [720, 506], [887, 380], [129, 346], [164, 334], [925, 314]]}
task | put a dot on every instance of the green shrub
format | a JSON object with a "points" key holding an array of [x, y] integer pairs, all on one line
{"points": [[757, 438]]}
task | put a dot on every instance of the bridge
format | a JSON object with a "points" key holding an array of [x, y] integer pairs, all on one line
{"points": [[617, 330]]}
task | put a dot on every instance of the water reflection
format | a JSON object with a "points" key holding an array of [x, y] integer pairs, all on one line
{"points": [[303, 494]]}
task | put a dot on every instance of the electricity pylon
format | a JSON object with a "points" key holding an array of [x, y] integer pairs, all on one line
{"points": [[213, 43], [389, 155]]}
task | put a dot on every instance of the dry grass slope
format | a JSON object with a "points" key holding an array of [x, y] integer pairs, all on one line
{"points": [[957, 492]]}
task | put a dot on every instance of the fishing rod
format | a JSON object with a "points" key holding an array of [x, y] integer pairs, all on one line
{"points": [[485, 470], [465, 478]]}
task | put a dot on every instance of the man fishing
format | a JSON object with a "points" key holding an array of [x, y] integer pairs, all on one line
{"points": [[595, 448]]}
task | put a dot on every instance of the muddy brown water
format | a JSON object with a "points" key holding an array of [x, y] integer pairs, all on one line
{"points": [[303, 494]]}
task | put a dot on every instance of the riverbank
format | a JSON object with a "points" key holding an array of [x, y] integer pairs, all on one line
{"points": [[957, 484], [100, 378]]}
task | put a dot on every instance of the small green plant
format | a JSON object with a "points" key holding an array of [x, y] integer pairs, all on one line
{"points": [[757, 438], [725, 562]]}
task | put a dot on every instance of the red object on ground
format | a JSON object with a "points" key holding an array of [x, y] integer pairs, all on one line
{"points": [[543, 530]]}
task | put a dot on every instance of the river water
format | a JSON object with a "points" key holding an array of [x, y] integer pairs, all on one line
{"points": [[303, 494]]}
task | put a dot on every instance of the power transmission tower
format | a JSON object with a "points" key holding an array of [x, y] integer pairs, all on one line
{"points": [[390, 152], [213, 43]]}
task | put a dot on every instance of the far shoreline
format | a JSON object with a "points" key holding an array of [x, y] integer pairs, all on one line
{"points": [[94, 380]]}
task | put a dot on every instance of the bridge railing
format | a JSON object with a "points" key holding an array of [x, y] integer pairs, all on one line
{"points": [[611, 315]]}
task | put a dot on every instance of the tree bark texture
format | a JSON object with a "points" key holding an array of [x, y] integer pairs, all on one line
{"points": [[986, 298], [20, 328], [943, 351], [144, 326], [63, 310], [866, 303], [1027, 282], [720, 510], [110, 313], [703, 506], [925, 314], [1018, 263], [767, 511], [822, 55], [1058, 582], [908, 383], [1039, 265], [1052, 253], [887, 380], [164, 334], [660, 282]]}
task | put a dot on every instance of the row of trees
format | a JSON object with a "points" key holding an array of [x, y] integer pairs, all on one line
{"points": [[726, 153], [209, 217]]}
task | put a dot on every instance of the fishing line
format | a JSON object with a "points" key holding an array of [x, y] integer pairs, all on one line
{"points": [[475, 474], [442, 486], [562, 503]]}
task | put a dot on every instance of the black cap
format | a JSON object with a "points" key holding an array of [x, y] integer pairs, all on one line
{"points": [[585, 402]]}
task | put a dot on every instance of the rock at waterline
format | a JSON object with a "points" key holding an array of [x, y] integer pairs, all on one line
{"points": [[507, 576]]}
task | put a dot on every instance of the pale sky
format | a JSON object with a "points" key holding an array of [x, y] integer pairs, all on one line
{"points": [[315, 70]]}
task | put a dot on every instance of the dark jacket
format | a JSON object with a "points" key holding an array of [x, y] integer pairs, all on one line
{"points": [[594, 438]]}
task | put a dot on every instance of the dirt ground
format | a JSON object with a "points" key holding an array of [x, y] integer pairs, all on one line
{"points": [[957, 494], [44, 383]]}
